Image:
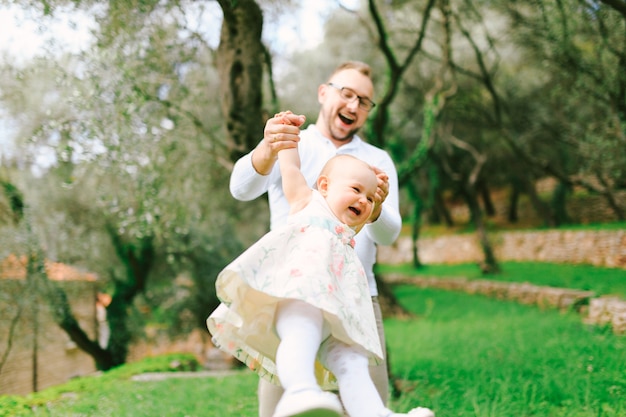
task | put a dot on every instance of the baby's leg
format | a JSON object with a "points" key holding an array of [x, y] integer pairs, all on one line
{"points": [[358, 393], [299, 326], [350, 366]]}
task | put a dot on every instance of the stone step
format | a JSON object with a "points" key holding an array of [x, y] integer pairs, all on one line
{"points": [[605, 310]]}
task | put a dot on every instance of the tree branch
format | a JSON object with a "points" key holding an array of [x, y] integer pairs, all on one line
{"points": [[396, 69], [10, 336], [617, 5]]}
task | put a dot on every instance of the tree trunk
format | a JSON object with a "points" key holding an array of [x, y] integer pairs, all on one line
{"points": [[138, 259], [490, 209], [542, 209], [138, 262], [15, 200], [513, 201], [240, 58], [489, 264], [610, 198], [439, 211], [416, 220], [65, 318], [559, 203], [389, 305]]}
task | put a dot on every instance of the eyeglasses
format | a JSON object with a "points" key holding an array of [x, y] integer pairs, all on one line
{"points": [[350, 96]]}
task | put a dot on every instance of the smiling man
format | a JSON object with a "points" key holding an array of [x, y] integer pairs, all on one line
{"points": [[346, 100]]}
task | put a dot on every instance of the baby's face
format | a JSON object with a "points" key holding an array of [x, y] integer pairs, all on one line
{"points": [[351, 191]]}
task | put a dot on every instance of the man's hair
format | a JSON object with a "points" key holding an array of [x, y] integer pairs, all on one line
{"points": [[361, 67]]}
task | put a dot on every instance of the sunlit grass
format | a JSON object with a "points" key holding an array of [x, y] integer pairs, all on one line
{"points": [[602, 281], [435, 230], [206, 396], [463, 355], [114, 394], [596, 226], [473, 356]]}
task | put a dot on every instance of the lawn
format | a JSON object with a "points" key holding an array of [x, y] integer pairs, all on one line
{"points": [[603, 281], [463, 355], [467, 355]]}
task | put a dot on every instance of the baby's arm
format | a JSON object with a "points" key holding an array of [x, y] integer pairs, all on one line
{"points": [[297, 191]]}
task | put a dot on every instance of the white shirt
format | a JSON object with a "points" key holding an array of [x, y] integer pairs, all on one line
{"points": [[315, 150]]}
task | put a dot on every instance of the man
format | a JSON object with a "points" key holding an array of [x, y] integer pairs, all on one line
{"points": [[345, 102]]}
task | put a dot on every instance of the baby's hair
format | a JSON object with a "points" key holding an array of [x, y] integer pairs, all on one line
{"points": [[330, 164]]}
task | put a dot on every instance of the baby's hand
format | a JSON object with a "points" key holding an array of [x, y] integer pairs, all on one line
{"points": [[383, 186], [381, 193], [288, 118], [283, 131]]}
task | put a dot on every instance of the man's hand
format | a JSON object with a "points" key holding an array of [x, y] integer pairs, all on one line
{"points": [[382, 191], [281, 132]]}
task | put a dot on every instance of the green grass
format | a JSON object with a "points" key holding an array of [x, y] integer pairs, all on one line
{"points": [[113, 393], [93, 387], [222, 396], [595, 226], [602, 281], [473, 356], [463, 355], [493, 226]]}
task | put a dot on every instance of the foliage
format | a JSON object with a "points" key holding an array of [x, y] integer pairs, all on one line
{"points": [[134, 163], [582, 88]]}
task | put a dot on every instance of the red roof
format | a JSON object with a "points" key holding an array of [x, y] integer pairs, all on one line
{"points": [[13, 267]]}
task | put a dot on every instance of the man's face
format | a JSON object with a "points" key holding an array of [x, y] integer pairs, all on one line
{"points": [[341, 118]]}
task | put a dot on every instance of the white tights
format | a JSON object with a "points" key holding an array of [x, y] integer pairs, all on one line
{"points": [[301, 330]]}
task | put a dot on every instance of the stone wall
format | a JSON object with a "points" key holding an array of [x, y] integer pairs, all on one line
{"points": [[600, 248], [39, 353], [606, 311]]}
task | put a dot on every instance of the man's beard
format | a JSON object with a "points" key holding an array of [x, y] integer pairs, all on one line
{"points": [[347, 138]]}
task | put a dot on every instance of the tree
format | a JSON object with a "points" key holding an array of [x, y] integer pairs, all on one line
{"points": [[437, 136], [240, 64], [135, 151], [135, 141], [582, 47], [11, 213]]}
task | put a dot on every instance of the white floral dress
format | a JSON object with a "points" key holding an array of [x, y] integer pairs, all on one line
{"points": [[311, 258]]}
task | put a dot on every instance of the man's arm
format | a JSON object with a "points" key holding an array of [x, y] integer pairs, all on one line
{"points": [[250, 177], [245, 182], [386, 228]]}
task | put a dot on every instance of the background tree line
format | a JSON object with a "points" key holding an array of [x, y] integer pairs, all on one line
{"points": [[140, 130]]}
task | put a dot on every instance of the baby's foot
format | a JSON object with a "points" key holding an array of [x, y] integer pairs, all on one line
{"points": [[309, 403], [417, 412]]}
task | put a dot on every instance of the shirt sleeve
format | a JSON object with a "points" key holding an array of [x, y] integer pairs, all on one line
{"points": [[245, 183], [386, 229]]}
